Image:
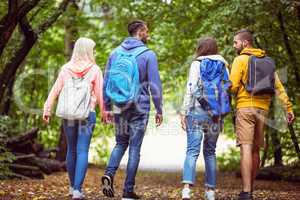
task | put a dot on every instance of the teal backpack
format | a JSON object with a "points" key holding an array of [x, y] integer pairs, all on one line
{"points": [[123, 77]]}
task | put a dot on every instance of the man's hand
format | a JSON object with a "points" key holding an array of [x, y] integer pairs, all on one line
{"points": [[183, 122], [108, 117], [46, 118], [290, 117], [158, 119]]}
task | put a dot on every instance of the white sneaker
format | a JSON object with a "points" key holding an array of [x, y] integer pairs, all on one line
{"points": [[77, 195], [186, 194], [210, 195], [71, 191]]}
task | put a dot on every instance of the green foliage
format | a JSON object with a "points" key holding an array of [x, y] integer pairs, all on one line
{"points": [[8, 128], [229, 161], [6, 158], [229, 126], [100, 143], [175, 28]]}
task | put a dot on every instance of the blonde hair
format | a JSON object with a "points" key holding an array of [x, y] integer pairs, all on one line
{"points": [[83, 50]]}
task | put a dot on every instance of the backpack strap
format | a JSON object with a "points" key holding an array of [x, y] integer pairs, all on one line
{"points": [[249, 62], [89, 73], [139, 50], [199, 68], [199, 82]]}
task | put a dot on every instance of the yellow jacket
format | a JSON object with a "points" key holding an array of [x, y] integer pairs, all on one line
{"points": [[239, 75]]}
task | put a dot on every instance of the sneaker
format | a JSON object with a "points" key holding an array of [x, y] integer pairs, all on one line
{"points": [[71, 191], [186, 194], [130, 196], [210, 195], [77, 195], [107, 186], [245, 196]]}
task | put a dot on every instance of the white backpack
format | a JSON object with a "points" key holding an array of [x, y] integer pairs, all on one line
{"points": [[75, 98]]}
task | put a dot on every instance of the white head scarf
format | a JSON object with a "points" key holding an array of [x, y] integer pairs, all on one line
{"points": [[83, 55]]}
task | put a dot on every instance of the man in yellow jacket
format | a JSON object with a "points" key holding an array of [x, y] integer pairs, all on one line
{"points": [[252, 110]]}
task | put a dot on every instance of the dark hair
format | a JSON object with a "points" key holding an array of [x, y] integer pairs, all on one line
{"points": [[207, 46], [245, 34], [134, 26]]}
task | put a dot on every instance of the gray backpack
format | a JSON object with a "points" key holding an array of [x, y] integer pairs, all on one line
{"points": [[75, 98], [261, 75]]}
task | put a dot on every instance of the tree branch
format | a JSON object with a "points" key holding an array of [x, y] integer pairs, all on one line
{"points": [[61, 9], [12, 6], [11, 67], [27, 29], [9, 22], [42, 5], [298, 12], [31, 36]]}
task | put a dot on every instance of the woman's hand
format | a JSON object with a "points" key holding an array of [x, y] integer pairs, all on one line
{"points": [[183, 122]]}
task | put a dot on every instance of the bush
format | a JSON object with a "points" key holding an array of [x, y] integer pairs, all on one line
{"points": [[100, 143], [229, 161], [8, 128], [6, 158]]}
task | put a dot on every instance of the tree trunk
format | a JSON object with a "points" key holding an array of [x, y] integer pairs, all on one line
{"points": [[275, 137], [62, 146], [288, 47], [8, 98], [295, 141], [294, 62], [71, 34], [298, 13], [47, 166], [24, 143], [266, 149], [27, 170], [29, 135], [9, 22], [277, 148], [31, 36], [12, 66]]}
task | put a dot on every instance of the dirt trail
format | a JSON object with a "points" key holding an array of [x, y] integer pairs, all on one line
{"points": [[151, 185]]}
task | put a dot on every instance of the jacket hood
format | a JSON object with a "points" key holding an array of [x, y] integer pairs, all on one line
{"points": [[253, 51], [214, 57], [131, 43], [78, 69]]}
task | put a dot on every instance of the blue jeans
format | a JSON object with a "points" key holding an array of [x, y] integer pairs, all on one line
{"points": [[79, 134], [196, 130], [130, 127]]}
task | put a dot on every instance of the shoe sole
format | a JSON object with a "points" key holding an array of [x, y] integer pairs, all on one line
{"points": [[78, 198], [129, 199], [107, 186]]}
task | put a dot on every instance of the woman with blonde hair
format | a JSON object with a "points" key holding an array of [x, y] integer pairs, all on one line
{"points": [[79, 88]]}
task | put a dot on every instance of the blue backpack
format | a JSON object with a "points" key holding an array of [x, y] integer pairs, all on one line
{"points": [[123, 77], [213, 85]]}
